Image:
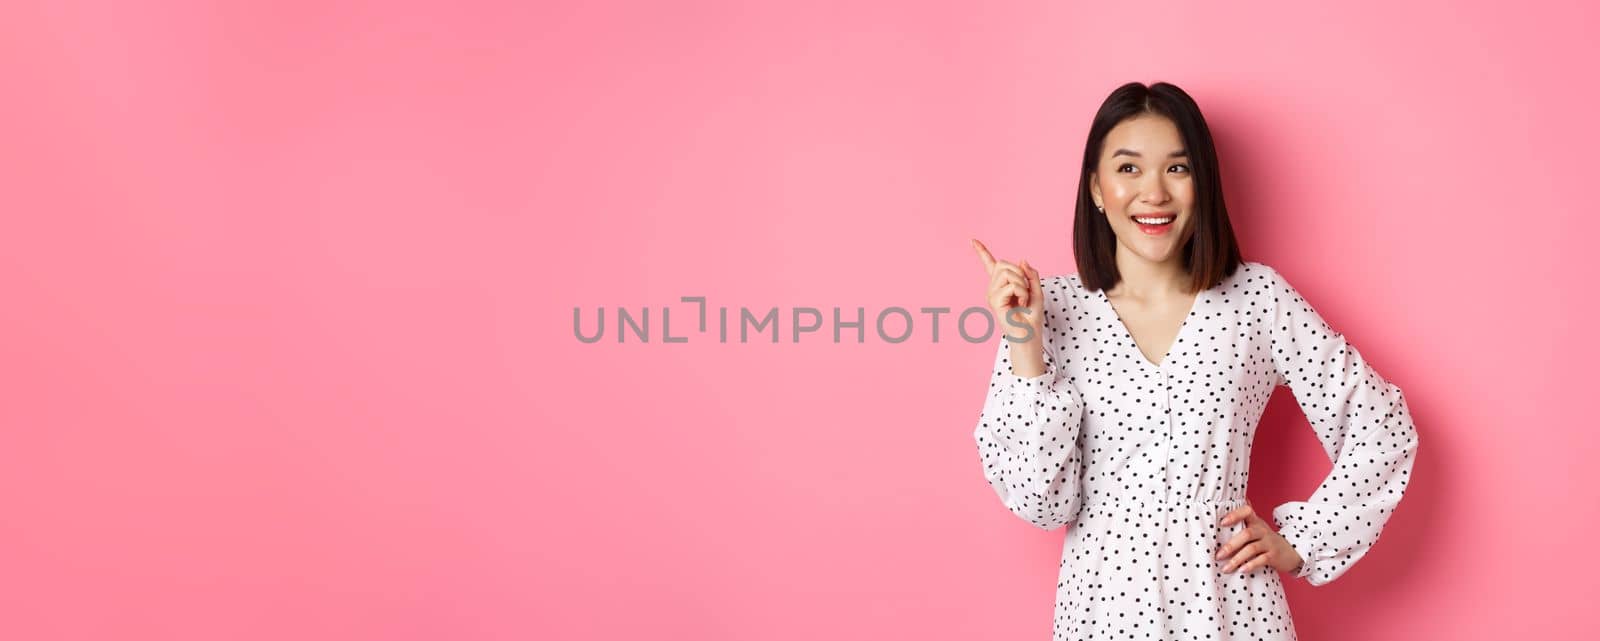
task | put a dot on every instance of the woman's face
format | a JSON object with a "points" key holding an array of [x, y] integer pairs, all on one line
{"points": [[1144, 184]]}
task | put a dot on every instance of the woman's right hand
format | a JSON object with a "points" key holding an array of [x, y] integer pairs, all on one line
{"points": [[1015, 290]]}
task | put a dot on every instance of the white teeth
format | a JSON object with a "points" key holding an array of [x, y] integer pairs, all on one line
{"points": [[1155, 221]]}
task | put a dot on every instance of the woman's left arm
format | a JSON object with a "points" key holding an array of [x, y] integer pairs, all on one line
{"points": [[1362, 423]]}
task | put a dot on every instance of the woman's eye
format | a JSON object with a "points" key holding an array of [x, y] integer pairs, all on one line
{"points": [[1126, 166], [1185, 168]]}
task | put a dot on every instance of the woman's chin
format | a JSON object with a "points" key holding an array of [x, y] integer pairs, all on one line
{"points": [[1153, 251]]}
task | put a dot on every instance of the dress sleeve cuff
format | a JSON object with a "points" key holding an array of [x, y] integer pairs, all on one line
{"points": [[1040, 382], [1307, 543]]}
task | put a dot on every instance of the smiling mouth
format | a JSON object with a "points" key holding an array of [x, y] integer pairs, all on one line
{"points": [[1155, 220]]}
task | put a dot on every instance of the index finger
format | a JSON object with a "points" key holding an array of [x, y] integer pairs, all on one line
{"points": [[1241, 513], [983, 253], [1239, 539]]}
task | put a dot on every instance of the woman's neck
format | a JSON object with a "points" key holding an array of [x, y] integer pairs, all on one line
{"points": [[1145, 280]]}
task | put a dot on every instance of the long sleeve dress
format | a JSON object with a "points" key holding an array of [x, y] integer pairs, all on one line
{"points": [[1143, 459]]}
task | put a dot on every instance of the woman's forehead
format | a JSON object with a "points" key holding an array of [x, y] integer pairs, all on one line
{"points": [[1145, 135]]}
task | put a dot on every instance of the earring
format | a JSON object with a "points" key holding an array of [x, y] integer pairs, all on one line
{"points": [[1102, 209]]}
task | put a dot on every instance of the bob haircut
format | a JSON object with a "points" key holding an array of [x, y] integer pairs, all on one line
{"points": [[1211, 253]]}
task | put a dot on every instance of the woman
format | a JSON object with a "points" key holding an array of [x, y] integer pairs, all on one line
{"points": [[1125, 398]]}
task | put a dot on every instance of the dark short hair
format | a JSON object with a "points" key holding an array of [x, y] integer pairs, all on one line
{"points": [[1211, 253]]}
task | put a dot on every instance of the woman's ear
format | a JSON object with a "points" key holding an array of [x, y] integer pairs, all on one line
{"points": [[1094, 188]]}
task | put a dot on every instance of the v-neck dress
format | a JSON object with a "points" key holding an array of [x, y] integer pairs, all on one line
{"points": [[1143, 459]]}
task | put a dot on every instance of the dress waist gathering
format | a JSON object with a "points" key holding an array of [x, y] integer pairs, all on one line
{"points": [[1153, 502]]}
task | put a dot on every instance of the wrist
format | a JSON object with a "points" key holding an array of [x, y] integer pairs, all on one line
{"points": [[1027, 362]]}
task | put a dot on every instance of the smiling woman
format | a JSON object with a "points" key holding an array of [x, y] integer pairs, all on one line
{"points": [[1132, 414], [1150, 157]]}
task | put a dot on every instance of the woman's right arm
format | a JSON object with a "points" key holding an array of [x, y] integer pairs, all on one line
{"points": [[1027, 437]]}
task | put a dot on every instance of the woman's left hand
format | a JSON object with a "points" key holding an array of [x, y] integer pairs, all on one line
{"points": [[1257, 545]]}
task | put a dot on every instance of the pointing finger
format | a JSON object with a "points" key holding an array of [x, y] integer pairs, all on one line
{"points": [[984, 255]]}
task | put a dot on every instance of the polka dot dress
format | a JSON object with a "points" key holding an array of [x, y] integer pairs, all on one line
{"points": [[1143, 459]]}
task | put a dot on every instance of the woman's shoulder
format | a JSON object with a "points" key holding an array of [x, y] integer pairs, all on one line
{"points": [[1253, 274], [1256, 268], [1062, 291], [1262, 281], [1063, 281], [1068, 284]]}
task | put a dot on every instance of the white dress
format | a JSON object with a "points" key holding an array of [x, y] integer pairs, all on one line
{"points": [[1143, 460]]}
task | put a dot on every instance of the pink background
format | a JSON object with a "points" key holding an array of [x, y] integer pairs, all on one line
{"points": [[287, 333]]}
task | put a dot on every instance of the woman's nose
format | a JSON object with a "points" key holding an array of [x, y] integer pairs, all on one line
{"points": [[1154, 192]]}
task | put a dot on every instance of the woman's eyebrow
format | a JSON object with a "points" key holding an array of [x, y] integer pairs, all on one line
{"points": [[1135, 154]]}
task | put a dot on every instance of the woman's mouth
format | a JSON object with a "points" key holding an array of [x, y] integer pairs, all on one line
{"points": [[1155, 225]]}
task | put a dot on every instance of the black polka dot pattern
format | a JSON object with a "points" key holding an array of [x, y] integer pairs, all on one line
{"points": [[1143, 459]]}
